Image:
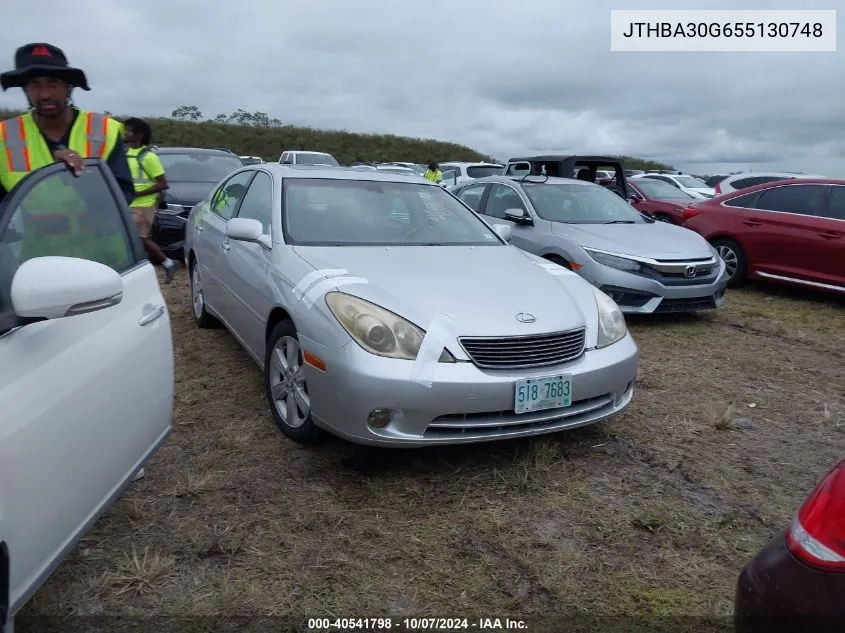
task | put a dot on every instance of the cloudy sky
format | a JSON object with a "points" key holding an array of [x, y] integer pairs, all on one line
{"points": [[506, 78]]}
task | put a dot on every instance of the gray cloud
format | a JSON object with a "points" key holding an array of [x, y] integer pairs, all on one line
{"points": [[504, 78]]}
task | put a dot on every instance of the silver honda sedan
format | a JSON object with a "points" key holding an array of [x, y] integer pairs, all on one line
{"points": [[644, 265], [383, 310]]}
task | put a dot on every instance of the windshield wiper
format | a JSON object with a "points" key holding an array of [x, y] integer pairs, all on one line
{"points": [[621, 222]]}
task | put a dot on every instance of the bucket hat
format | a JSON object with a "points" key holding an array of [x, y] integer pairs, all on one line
{"points": [[42, 59]]}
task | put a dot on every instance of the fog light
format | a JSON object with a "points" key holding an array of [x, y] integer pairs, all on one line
{"points": [[379, 418]]}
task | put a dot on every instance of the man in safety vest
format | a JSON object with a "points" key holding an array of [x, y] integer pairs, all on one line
{"points": [[56, 220], [148, 176], [54, 130], [433, 174]]}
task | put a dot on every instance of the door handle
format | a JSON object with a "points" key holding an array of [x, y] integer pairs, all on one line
{"points": [[225, 246], [752, 223], [199, 227], [831, 236], [156, 313]]}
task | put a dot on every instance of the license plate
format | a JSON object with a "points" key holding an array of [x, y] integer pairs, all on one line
{"points": [[537, 394]]}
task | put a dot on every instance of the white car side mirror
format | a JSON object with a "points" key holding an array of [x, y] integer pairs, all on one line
{"points": [[56, 287], [505, 231], [244, 229]]}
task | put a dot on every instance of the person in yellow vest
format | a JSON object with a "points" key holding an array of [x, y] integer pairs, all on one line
{"points": [[433, 174], [54, 130], [55, 220], [149, 178]]}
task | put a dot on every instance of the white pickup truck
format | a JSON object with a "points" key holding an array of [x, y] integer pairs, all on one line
{"points": [[86, 367]]}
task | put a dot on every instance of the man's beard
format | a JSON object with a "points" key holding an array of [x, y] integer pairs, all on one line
{"points": [[49, 109]]}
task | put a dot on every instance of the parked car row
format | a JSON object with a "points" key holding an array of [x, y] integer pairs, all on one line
{"points": [[309, 268]]}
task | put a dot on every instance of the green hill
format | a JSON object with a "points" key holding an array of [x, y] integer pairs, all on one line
{"points": [[257, 134]]}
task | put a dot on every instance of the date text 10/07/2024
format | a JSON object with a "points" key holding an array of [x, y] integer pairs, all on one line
{"points": [[322, 625]]}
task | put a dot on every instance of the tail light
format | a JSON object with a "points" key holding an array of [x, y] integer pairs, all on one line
{"points": [[689, 213], [817, 535], [717, 189]]}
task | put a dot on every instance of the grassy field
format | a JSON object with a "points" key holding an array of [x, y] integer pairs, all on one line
{"points": [[650, 515]]}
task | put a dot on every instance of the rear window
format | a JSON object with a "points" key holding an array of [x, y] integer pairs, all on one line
{"points": [[743, 183], [482, 171]]}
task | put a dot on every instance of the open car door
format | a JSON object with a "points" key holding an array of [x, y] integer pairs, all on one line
{"points": [[86, 367]]}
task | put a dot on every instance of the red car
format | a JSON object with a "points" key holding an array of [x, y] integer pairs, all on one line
{"points": [[796, 584], [789, 231], [658, 199]]}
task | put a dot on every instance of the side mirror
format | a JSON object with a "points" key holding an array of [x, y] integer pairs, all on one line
{"points": [[504, 231], [518, 215], [244, 229], [56, 287]]}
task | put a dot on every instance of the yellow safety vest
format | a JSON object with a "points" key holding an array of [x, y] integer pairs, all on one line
{"points": [[434, 176], [23, 148], [140, 179], [56, 220]]}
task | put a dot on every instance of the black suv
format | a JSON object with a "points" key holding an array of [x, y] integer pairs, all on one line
{"points": [[192, 173]]}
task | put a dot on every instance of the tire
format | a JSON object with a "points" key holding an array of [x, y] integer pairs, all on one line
{"points": [[283, 378], [735, 260], [201, 317]]}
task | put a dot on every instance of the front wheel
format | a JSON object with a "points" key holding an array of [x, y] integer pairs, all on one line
{"points": [[201, 316], [284, 382], [736, 264]]}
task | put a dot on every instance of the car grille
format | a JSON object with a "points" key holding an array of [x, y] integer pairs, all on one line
{"points": [[518, 352], [687, 305]]}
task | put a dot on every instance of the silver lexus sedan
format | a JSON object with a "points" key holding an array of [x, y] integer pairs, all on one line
{"points": [[383, 310]]}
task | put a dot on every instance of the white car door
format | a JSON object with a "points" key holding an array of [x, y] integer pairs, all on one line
{"points": [[85, 400]]}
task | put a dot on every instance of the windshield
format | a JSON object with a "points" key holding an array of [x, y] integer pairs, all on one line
{"points": [[580, 204], [307, 158], [198, 167], [482, 171], [659, 190], [329, 212], [691, 183]]}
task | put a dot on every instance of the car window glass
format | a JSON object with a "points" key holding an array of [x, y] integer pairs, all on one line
{"points": [[501, 199], [573, 203], [472, 196], [802, 199], [199, 166], [743, 202], [69, 216], [336, 212], [226, 198], [258, 201], [837, 202], [481, 171]]}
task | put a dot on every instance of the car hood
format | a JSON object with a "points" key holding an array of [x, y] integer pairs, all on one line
{"points": [[188, 193], [483, 287], [659, 240]]}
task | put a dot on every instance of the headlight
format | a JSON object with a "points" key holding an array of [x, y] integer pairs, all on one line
{"points": [[613, 261], [379, 331], [612, 327]]}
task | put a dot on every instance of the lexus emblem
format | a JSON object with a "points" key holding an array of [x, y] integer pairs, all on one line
{"points": [[525, 317], [690, 271]]}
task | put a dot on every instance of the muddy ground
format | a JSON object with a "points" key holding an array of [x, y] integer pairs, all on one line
{"points": [[652, 514]]}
